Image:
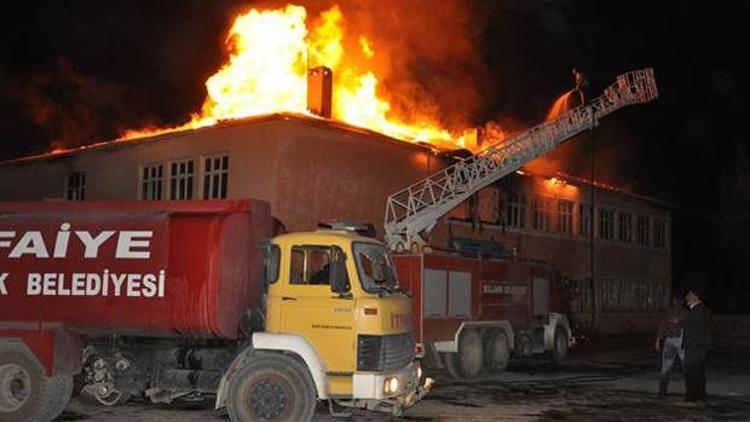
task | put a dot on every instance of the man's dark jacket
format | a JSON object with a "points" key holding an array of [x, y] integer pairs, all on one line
{"points": [[696, 336]]}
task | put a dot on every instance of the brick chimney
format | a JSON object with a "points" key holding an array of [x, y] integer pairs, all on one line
{"points": [[320, 91]]}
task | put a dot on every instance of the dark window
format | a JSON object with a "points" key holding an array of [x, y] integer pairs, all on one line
{"points": [[152, 181], [215, 177], [75, 186], [643, 230], [311, 265], [515, 210], [625, 227], [565, 217], [181, 180], [606, 224], [660, 233], [584, 220], [540, 218], [272, 255]]}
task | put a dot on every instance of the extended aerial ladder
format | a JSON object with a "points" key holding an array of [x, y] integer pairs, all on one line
{"points": [[413, 212]]}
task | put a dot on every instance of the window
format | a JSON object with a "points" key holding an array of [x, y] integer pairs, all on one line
{"points": [[375, 270], [151, 182], [271, 263], [578, 292], [75, 186], [584, 220], [488, 205], [631, 295], [541, 208], [310, 265], [515, 210], [181, 180], [625, 227], [660, 233], [606, 224], [643, 230], [215, 177], [565, 217]]}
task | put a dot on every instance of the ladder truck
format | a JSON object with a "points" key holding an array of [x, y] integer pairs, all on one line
{"points": [[452, 321]]}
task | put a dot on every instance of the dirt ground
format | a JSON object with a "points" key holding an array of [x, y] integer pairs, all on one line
{"points": [[604, 380]]}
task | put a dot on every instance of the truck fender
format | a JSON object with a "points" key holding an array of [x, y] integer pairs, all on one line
{"points": [[555, 320], [58, 350], [290, 343], [452, 345]]}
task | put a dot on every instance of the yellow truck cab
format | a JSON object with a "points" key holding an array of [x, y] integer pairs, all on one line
{"points": [[333, 300]]}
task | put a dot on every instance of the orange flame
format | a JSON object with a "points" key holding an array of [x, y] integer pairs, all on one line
{"points": [[266, 72]]}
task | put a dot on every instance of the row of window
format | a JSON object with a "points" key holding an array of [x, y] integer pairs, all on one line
{"points": [[618, 295], [180, 176], [573, 218]]}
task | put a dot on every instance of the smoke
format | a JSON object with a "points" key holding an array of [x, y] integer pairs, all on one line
{"points": [[426, 54], [65, 108], [614, 161], [80, 72], [426, 57]]}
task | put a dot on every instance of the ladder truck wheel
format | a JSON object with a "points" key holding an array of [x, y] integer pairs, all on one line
{"points": [[497, 351], [26, 393], [272, 387], [559, 345], [449, 362], [470, 357]]}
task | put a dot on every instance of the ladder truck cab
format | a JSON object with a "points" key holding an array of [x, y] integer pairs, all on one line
{"points": [[472, 313]]}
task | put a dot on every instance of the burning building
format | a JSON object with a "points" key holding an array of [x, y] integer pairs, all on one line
{"points": [[318, 143], [313, 170], [309, 169], [612, 247]]}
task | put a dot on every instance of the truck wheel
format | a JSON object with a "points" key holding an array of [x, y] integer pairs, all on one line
{"points": [[559, 345], [272, 387], [470, 356], [64, 385], [449, 362], [498, 351], [26, 394]]}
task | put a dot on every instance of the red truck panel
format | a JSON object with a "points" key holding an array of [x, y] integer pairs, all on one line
{"points": [[162, 268], [499, 290]]}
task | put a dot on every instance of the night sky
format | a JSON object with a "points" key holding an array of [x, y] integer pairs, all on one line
{"points": [[73, 72]]}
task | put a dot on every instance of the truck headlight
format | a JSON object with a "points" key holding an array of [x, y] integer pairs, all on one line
{"points": [[390, 385], [394, 384]]}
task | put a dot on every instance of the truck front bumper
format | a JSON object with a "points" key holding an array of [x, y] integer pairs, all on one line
{"points": [[409, 388]]}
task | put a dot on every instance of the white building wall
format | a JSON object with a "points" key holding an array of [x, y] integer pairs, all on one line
{"points": [[308, 170]]}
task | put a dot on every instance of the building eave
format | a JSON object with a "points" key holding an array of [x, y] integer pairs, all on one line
{"points": [[224, 124]]}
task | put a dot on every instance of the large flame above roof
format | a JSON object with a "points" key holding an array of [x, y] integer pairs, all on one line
{"points": [[266, 72]]}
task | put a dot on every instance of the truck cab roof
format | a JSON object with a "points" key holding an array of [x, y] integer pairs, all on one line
{"points": [[323, 236]]}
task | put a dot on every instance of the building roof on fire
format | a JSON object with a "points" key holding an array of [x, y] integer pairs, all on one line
{"points": [[283, 116]]}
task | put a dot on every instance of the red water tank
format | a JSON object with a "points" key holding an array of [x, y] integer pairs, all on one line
{"points": [[160, 268]]}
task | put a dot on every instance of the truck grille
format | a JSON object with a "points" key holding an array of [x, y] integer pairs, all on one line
{"points": [[383, 353]]}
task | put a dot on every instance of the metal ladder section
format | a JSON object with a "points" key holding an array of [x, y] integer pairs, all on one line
{"points": [[413, 212]]}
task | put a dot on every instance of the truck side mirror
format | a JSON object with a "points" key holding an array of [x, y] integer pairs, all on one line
{"points": [[339, 277]]}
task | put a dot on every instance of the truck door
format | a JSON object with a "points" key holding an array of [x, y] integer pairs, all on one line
{"points": [[541, 296], [311, 309]]}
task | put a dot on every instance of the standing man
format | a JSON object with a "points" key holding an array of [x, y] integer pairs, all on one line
{"points": [[669, 340], [696, 341]]}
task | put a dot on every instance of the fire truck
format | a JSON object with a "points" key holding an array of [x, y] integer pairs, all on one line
{"points": [[473, 314], [176, 300]]}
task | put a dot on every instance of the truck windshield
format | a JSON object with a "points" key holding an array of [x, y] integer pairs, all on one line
{"points": [[375, 269]]}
